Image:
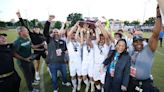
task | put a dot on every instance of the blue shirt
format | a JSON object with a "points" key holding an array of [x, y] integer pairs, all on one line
{"points": [[143, 63], [161, 34]]}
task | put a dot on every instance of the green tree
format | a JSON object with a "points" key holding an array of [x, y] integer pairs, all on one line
{"points": [[34, 22], [126, 23], [74, 17], [150, 21], [2, 24], [40, 25], [9, 23], [27, 22], [57, 25], [135, 22]]}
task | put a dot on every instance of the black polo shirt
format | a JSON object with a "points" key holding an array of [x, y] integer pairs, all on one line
{"points": [[37, 39], [6, 59]]}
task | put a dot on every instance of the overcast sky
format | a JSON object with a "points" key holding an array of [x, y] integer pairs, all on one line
{"points": [[115, 9]]}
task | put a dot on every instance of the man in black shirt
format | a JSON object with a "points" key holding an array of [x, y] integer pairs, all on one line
{"points": [[38, 41], [9, 79]]}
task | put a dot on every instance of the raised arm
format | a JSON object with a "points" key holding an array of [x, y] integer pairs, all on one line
{"points": [[73, 29], [153, 41], [82, 36], [107, 23], [110, 37], [22, 22], [47, 27], [97, 34], [77, 36], [62, 30], [89, 41], [103, 31]]}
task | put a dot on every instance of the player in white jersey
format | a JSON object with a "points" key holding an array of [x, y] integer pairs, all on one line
{"points": [[88, 59], [101, 48], [74, 52]]}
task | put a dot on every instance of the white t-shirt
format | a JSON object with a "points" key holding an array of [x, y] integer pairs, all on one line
{"points": [[74, 51], [100, 52], [88, 54]]}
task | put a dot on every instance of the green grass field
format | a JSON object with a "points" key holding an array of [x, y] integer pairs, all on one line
{"points": [[46, 83]]}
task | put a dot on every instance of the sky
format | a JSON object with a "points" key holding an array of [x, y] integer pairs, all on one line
{"points": [[112, 9]]}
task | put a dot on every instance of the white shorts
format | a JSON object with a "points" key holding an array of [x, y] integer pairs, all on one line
{"points": [[87, 69], [75, 68], [99, 73]]}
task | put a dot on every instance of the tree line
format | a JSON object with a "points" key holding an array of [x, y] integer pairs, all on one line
{"points": [[72, 18]]}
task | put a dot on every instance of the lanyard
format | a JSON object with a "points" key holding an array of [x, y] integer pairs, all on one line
{"points": [[75, 45], [115, 60], [134, 57], [100, 48], [88, 49]]}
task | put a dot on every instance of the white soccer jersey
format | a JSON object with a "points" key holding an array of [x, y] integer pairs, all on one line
{"points": [[99, 57], [74, 52], [88, 54], [100, 53], [88, 61]]}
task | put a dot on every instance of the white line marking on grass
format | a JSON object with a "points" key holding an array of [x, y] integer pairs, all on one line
{"points": [[42, 77], [160, 53]]}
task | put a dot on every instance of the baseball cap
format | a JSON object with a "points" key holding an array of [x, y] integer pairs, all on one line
{"points": [[137, 37], [3, 34]]}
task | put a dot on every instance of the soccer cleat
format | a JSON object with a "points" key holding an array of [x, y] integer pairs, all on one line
{"points": [[66, 84], [92, 89], [35, 90], [74, 90], [55, 91], [35, 83]]}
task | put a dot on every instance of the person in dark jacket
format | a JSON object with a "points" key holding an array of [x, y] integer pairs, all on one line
{"points": [[118, 68], [56, 53]]}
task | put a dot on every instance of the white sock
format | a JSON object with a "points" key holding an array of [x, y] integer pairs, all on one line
{"points": [[86, 82], [79, 81], [98, 86], [102, 89], [37, 73], [79, 84], [74, 83], [92, 84]]}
